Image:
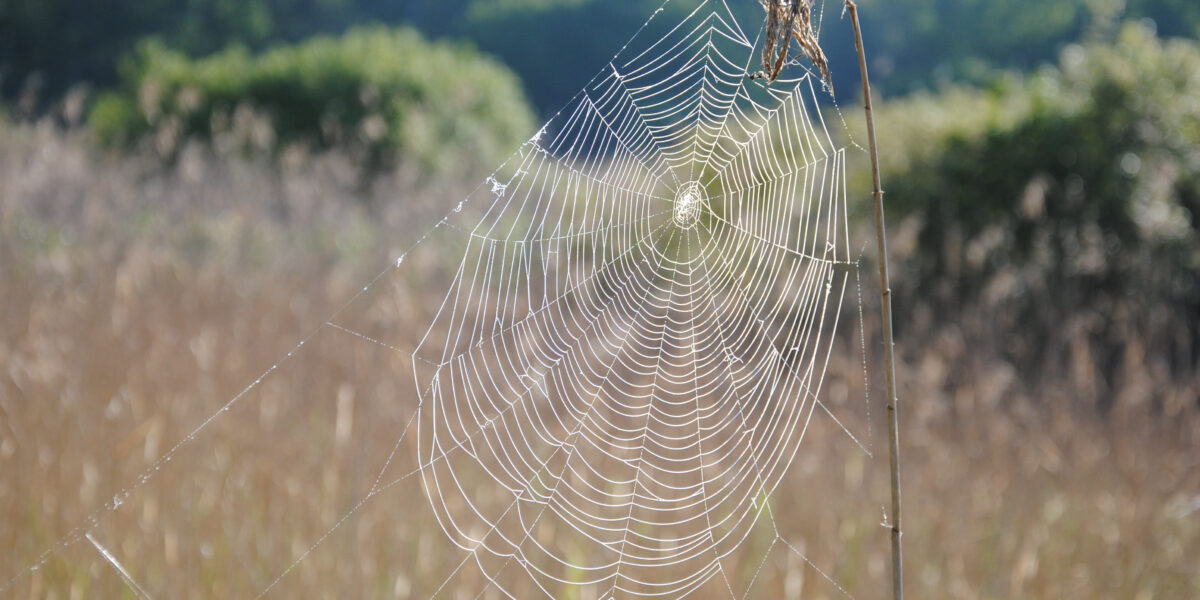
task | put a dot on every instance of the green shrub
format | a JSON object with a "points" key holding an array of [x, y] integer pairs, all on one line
{"points": [[387, 93], [115, 120], [1061, 207]]}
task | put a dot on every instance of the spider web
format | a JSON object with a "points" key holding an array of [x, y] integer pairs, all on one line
{"points": [[633, 337]]}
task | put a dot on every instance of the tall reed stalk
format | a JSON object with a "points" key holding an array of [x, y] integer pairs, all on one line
{"points": [[886, 307]]}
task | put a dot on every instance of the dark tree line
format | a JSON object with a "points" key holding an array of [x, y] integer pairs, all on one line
{"points": [[554, 45]]}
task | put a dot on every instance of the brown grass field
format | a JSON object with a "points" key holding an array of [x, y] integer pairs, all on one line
{"points": [[137, 304]]}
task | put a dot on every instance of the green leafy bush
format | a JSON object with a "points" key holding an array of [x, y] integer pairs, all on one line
{"points": [[387, 93], [1062, 211]]}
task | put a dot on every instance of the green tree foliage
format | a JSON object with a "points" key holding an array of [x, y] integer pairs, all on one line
{"points": [[70, 42], [1175, 18], [556, 45], [919, 44], [1065, 206], [389, 93]]}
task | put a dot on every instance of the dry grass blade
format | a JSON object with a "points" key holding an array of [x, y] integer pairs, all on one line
{"points": [[788, 20]]}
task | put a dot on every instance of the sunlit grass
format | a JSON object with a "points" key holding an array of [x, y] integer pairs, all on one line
{"points": [[137, 304]]}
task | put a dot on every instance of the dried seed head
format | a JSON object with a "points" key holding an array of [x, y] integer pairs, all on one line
{"points": [[788, 20]]}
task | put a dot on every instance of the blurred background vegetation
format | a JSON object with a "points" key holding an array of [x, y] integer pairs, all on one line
{"points": [[226, 166], [1061, 207], [382, 94], [553, 45]]}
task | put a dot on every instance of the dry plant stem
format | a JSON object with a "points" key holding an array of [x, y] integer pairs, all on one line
{"points": [[886, 306], [785, 22]]}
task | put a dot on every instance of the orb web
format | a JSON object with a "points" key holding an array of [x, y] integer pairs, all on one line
{"points": [[634, 341]]}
